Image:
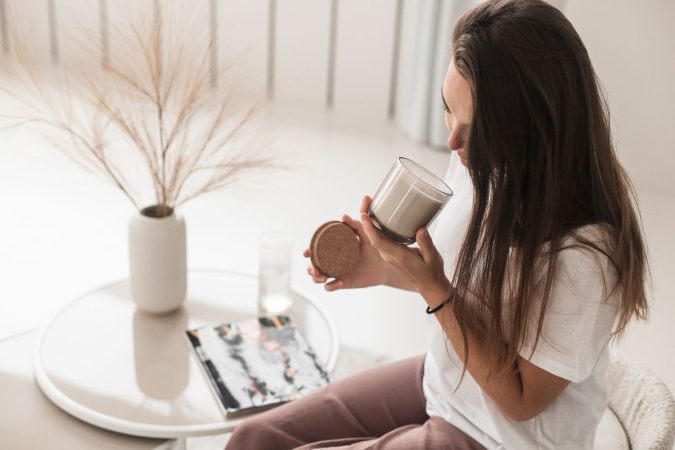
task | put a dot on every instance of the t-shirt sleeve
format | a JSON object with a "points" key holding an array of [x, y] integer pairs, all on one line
{"points": [[579, 317]]}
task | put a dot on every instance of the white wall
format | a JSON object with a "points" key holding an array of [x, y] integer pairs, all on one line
{"points": [[632, 46], [64, 232]]}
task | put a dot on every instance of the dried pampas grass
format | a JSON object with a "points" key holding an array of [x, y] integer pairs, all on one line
{"points": [[148, 118]]}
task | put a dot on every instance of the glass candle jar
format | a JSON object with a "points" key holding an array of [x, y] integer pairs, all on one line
{"points": [[408, 199]]}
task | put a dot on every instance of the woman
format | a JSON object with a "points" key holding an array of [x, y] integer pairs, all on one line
{"points": [[534, 265]]}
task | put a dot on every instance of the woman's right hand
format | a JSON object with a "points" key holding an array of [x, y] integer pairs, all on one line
{"points": [[370, 270]]}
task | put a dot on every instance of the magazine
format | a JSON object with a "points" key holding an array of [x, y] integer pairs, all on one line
{"points": [[257, 363]]}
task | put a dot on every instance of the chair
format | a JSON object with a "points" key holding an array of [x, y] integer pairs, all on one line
{"points": [[642, 403]]}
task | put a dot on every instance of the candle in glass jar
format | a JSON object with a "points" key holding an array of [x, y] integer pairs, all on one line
{"points": [[408, 199]]}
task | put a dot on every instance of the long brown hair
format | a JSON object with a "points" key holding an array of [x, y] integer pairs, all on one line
{"points": [[542, 164]]}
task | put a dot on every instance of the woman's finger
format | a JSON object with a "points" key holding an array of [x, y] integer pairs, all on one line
{"points": [[426, 245], [334, 285], [356, 226], [353, 224], [365, 203], [317, 277], [306, 253], [369, 230], [389, 251]]}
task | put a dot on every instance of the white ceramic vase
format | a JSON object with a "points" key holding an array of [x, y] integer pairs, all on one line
{"points": [[157, 261]]}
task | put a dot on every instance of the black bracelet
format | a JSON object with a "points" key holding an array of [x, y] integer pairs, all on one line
{"points": [[436, 308]]}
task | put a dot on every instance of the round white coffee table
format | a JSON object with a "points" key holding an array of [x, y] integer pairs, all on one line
{"points": [[31, 421], [111, 365]]}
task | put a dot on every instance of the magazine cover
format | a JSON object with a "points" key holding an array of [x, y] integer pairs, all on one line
{"points": [[257, 363]]}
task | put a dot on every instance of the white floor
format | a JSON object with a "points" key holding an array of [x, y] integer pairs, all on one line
{"points": [[63, 232]]}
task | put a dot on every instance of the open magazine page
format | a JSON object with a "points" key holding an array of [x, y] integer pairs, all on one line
{"points": [[257, 363]]}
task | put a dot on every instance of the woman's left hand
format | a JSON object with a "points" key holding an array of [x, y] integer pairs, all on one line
{"points": [[421, 266]]}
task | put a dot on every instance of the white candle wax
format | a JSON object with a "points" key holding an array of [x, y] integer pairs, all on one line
{"points": [[402, 206]]}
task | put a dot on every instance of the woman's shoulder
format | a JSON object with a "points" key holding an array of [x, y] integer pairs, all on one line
{"points": [[598, 233], [585, 257], [584, 244], [592, 241]]}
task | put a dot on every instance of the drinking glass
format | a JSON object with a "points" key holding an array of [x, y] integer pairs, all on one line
{"points": [[274, 271]]}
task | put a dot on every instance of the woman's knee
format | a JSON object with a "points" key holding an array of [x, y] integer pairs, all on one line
{"points": [[258, 433], [247, 436]]}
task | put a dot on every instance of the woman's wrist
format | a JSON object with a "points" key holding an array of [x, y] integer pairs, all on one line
{"points": [[437, 296], [394, 279]]}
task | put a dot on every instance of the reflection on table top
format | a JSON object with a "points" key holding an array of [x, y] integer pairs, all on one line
{"points": [[114, 366], [24, 406]]}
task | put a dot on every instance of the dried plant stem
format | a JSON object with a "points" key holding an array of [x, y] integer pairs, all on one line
{"points": [[156, 100]]}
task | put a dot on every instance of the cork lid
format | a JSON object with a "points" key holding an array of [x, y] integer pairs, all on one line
{"points": [[334, 249]]}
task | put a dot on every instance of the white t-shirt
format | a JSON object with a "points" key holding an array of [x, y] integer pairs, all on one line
{"points": [[574, 346]]}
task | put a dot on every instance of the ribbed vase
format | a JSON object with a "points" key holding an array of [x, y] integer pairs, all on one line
{"points": [[157, 260]]}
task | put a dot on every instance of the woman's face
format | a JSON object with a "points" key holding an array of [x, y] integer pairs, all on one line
{"points": [[456, 95]]}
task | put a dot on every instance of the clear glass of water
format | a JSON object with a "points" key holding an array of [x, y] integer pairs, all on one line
{"points": [[274, 273]]}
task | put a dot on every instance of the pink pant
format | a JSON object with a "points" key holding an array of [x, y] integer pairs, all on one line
{"points": [[381, 408]]}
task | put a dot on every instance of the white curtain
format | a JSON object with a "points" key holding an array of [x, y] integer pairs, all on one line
{"points": [[425, 54]]}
